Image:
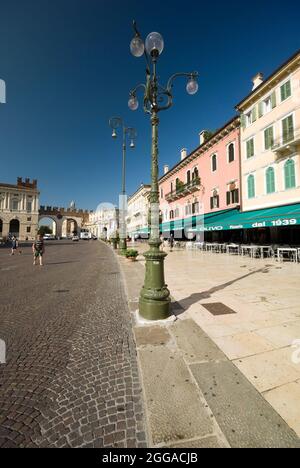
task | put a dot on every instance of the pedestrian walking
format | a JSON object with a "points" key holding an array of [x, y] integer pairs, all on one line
{"points": [[162, 243], [38, 249], [14, 245]]}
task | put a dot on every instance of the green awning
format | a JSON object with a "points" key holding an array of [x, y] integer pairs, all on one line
{"points": [[279, 216]]}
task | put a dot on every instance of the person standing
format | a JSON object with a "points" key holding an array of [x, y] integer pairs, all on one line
{"points": [[171, 242], [38, 249]]}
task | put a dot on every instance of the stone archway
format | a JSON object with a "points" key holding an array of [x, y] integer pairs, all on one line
{"points": [[70, 227], [14, 227], [54, 221]]}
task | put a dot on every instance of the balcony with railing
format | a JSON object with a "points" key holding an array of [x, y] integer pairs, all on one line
{"points": [[182, 190], [287, 144]]}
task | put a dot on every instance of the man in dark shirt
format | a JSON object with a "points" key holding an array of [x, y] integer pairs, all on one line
{"points": [[38, 249]]}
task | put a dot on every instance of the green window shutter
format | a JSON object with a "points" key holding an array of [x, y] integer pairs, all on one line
{"points": [[260, 109], [251, 187], [287, 129], [228, 197], [243, 120], [269, 138], [270, 176], [250, 148], [273, 99], [254, 114], [285, 90], [289, 174]]}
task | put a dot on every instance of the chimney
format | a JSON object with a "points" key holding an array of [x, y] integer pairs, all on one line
{"points": [[202, 136], [166, 169], [183, 153], [257, 80]]}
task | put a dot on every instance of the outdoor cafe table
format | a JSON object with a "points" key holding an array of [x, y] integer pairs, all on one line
{"points": [[253, 248], [288, 250], [232, 248]]}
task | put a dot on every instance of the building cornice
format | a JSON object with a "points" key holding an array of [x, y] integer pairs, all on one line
{"points": [[206, 146], [284, 70]]}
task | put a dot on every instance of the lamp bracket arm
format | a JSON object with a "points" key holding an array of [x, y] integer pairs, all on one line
{"points": [[177, 75]]}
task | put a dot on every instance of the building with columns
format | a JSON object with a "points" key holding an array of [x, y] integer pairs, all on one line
{"points": [[19, 209], [138, 211]]}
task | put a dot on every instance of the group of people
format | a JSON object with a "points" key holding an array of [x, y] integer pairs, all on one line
{"points": [[38, 248]]}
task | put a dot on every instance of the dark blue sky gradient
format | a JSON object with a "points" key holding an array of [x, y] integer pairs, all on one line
{"points": [[68, 68]]}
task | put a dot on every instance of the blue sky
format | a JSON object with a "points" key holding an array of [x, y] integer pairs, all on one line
{"points": [[68, 69]]}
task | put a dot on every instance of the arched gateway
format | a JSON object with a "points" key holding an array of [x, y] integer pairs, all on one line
{"points": [[65, 216]]}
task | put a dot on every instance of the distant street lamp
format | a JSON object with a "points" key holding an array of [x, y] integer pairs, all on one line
{"points": [[154, 303], [130, 133]]}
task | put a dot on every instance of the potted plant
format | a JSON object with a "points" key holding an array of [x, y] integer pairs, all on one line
{"points": [[131, 254]]}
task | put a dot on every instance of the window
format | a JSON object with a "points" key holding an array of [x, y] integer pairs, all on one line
{"points": [[251, 186], [232, 196], [195, 174], [188, 209], [29, 206], [231, 152], [171, 187], [214, 201], [28, 229], [29, 219], [188, 177], [250, 148], [171, 214], [177, 213], [248, 119], [214, 162], [161, 193], [289, 174], [15, 205], [269, 138], [270, 180], [267, 105], [285, 91], [287, 129], [195, 207]]}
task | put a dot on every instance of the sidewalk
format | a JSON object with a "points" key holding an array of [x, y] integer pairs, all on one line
{"points": [[220, 372]]}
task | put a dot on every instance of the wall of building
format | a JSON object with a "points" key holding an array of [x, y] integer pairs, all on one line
{"points": [[137, 210], [19, 202], [264, 158], [216, 182]]}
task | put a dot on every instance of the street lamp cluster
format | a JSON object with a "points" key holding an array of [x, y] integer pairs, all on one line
{"points": [[154, 302]]}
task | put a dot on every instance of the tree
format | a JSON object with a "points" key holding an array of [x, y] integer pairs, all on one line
{"points": [[44, 230]]}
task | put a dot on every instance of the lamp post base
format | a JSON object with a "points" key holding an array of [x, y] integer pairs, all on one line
{"points": [[154, 303]]}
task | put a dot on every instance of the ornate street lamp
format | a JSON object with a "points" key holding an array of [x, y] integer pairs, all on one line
{"points": [[131, 134], [154, 303]]}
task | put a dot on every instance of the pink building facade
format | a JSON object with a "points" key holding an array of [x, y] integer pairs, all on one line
{"points": [[204, 182]]}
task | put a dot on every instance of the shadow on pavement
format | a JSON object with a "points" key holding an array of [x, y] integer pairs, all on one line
{"points": [[186, 303]]}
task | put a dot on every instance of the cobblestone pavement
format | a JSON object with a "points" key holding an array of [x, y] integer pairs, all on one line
{"points": [[71, 377]]}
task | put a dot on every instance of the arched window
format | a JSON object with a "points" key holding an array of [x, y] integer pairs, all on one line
{"points": [[195, 174], [171, 214], [214, 162], [231, 152], [188, 177], [251, 186], [270, 180], [289, 174], [177, 213]]}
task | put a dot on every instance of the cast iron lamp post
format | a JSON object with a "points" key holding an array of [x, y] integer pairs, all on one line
{"points": [[154, 303], [129, 132]]}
